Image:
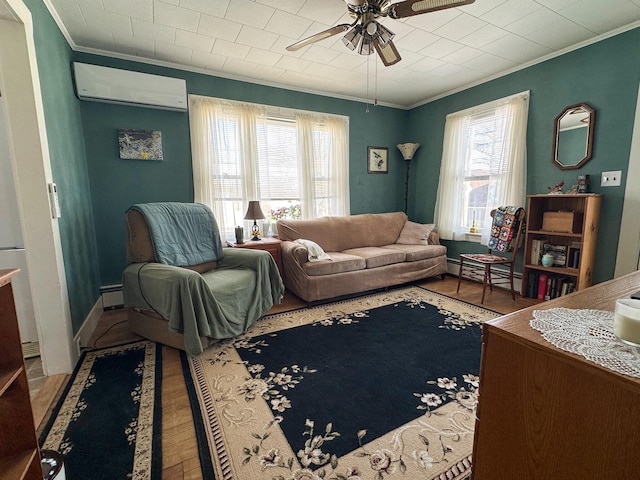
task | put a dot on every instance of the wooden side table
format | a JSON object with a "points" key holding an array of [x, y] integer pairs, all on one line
{"points": [[269, 244]]}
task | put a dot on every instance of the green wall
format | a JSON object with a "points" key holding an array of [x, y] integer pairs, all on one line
{"points": [[117, 184], [68, 163], [96, 187], [605, 75]]}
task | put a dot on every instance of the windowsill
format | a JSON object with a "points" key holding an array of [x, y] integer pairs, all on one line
{"points": [[473, 237]]}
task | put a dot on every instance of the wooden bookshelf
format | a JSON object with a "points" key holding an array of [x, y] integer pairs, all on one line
{"points": [[580, 235], [19, 452]]}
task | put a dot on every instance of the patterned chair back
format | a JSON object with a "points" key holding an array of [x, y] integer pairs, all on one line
{"points": [[508, 223]]}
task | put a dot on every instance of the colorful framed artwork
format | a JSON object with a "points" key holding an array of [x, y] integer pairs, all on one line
{"points": [[140, 144], [377, 160]]}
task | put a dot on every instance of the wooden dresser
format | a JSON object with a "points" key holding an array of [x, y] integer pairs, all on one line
{"points": [[547, 414]]}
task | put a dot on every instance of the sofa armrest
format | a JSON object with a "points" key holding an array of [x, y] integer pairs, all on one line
{"points": [[434, 238], [296, 252]]}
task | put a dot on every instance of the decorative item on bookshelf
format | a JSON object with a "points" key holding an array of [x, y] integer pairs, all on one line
{"points": [[547, 260]]}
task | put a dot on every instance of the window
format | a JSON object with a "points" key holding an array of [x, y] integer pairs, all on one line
{"points": [[483, 166], [295, 163]]}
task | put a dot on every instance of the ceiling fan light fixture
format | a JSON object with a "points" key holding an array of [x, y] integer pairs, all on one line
{"points": [[367, 45], [384, 35], [353, 37]]}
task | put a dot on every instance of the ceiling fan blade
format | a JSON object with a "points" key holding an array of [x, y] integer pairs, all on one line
{"points": [[409, 8], [319, 36], [388, 54]]}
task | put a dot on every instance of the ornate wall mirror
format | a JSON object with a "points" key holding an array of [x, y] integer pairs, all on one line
{"points": [[573, 136]]}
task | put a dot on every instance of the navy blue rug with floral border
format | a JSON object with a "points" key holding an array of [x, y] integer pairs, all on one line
{"points": [[381, 386], [107, 423]]}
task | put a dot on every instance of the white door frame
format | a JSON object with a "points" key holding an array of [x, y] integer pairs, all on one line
{"points": [[628, 258], [20, 84]]}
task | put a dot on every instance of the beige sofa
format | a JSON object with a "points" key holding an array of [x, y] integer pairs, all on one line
{"points": [[368, 252]]}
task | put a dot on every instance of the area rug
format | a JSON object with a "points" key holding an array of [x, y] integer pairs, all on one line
{"points": [[107, 424], [379, 387]]}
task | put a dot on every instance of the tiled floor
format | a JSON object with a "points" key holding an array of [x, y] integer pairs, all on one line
{"points": [[35, 375]]}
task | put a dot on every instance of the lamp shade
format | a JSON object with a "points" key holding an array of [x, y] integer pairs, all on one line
{"points": [[408, 150], [254, 212]]}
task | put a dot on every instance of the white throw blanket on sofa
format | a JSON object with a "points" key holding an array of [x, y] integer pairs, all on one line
{"points": [[316, 253]]}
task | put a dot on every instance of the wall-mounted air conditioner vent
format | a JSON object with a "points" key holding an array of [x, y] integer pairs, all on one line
{"points": [[112, 85]]}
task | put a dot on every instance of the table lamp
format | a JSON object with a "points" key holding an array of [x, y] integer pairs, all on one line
{"points": [[254, 212]]}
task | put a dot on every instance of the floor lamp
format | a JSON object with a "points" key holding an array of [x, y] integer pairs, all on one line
{"points": [[407, 150]]}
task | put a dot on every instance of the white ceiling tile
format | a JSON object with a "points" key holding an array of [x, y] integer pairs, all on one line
{"points": [[209, 61], [239, 67], [153, 31], [249, 13], [131, 45], [416, 40], [560, 34], [489, 63], [461, 56], [533, 21], [293, 64], [319, 54], [327, 12], [230, 49], [115, 23], [434, 20], [254, 37], [265, 72], [323, 71], [217, 8], [263, 57], [510, 11], [219, 28], [480, 7], [427, 65], [459, 27], [175, 16], [516, 48], [193, 41], [142, 9], [483, 36], [347, 60], [557, 5], [291, 6], [173, 53], [285, 23], [600, 16], [440, 48]]}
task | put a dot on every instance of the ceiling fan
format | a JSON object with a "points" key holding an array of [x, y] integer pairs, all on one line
{"points": [[366, 34]]}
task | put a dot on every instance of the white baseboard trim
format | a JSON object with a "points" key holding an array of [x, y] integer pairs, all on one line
{"points": [[81, 339], [453, 268]]}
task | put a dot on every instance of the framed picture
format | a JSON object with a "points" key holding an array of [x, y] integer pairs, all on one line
{"points": [[377, 160], [140, 144]]}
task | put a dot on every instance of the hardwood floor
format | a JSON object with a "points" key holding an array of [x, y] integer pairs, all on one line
{"points": [[179, 450]]}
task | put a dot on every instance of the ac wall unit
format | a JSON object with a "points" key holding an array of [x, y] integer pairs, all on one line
{"points": [[112, 85]]}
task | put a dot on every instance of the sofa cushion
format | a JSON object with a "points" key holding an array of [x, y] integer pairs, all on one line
{"points": [[415, 233], [339, 263], [414, 253], [376, 256]]}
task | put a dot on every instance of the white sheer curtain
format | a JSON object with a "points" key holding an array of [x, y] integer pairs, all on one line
{"points": [[242, 151], [504, 155]]}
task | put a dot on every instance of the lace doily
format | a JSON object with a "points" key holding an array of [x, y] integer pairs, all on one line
{"points": [[588, 333]]}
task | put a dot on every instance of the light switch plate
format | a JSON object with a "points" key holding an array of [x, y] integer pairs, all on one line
{"points": [[611, 179]]}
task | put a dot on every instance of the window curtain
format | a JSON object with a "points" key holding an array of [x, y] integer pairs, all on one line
{"points": [[229, 140], [507, 177]]}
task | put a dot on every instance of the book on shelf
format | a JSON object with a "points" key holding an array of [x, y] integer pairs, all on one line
{"points": [[536, 251], [573, 257], [542, 286]]}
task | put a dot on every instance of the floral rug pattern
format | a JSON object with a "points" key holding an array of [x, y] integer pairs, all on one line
{"points": [[261, 425]]}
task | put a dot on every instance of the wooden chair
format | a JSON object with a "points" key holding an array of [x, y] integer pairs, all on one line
{"points": [[506, 234]]}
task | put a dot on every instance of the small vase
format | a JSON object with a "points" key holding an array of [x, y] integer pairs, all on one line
{"points": [[547, 260]]}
